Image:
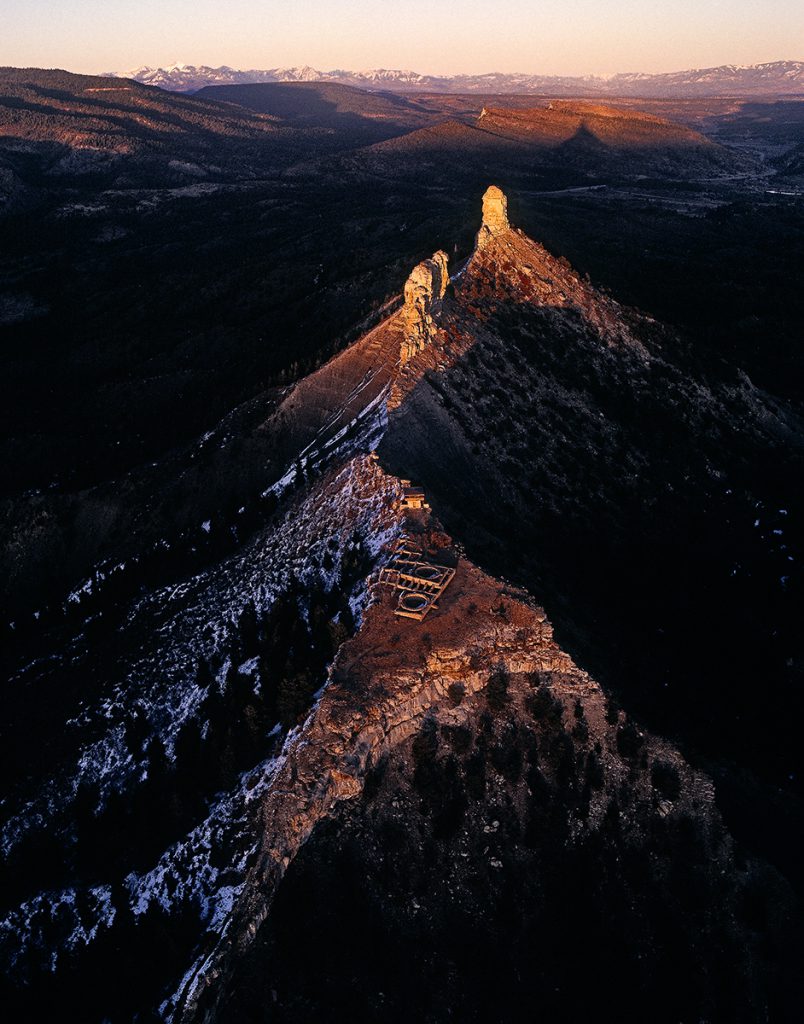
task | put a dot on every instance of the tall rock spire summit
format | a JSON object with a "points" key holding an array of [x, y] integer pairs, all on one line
{"points": [[495, 213]]}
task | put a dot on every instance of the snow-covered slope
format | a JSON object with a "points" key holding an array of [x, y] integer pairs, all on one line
{"points": [[328, 540]]}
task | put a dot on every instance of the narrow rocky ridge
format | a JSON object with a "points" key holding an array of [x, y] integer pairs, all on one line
{"points": [[393, 677], [385, 683], [392, 391]]}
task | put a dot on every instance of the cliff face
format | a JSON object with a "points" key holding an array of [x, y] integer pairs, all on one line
{"points": [[424, 290]]}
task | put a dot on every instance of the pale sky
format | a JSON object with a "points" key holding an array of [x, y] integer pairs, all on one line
{"points": [[431, 36]]}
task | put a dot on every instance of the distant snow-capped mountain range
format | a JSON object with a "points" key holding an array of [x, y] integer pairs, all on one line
{"points": [[776, 78]]}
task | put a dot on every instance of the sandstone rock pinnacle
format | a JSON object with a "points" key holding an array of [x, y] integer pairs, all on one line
{"points": [[495, 213], [424, 290]]}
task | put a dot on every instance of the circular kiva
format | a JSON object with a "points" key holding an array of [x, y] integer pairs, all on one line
{"points": [[427, 572], [413, 602]]}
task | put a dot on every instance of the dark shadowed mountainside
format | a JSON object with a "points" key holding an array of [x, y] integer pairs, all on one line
{"points": [[340, 709], [352, 114], [400, 620]]}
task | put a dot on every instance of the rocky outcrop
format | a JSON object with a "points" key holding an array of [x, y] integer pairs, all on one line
{"points": [[535, 820], [495, 215], [486, 646], [424, 290], [383, 685], [509, 266]]}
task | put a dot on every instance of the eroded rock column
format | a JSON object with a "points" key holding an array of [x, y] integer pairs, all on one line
{"points": [[424, 290], [495, 214]]}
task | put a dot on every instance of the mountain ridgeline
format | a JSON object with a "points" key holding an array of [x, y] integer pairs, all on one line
{"points": [[279, 799], [775, 78], [111, 278]]}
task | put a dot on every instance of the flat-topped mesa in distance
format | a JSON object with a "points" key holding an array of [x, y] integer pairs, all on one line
{"points": [[424, 290], [495, 215]]}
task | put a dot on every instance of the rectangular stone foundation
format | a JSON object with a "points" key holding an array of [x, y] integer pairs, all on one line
{"points": [[418, 582]]}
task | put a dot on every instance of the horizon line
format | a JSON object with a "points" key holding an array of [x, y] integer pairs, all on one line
{"points": [[175, 65]]}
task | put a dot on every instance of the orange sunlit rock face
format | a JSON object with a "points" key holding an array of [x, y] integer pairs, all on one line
{"points": [[423, 292], [495, 211]]}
